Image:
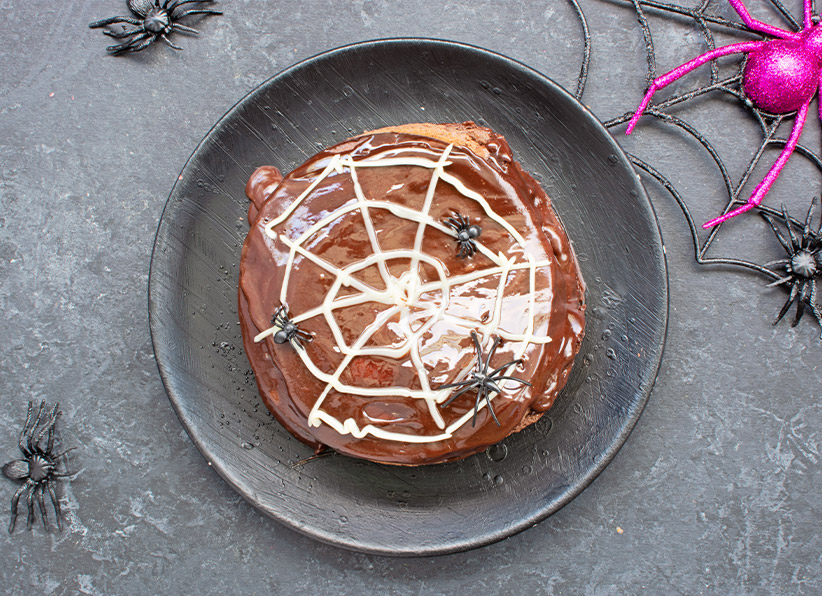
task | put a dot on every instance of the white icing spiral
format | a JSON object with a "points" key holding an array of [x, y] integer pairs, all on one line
{"points": [[401, 294]]}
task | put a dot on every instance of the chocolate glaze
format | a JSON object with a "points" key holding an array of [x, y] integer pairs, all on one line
{"points": [[290, 390]]}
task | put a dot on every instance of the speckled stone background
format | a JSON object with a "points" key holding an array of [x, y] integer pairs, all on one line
{"points": [[715, 492]]}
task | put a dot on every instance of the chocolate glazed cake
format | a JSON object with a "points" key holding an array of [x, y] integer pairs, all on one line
{"points": [[408, 296]]}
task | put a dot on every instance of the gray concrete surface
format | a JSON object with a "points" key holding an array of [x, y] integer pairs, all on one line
{"points": [[715, 492]]}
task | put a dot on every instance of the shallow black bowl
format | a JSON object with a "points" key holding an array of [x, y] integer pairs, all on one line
{"points": [[387, 509]]}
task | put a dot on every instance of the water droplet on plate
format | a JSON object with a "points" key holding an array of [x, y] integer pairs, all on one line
{"points": [[497, 452]]}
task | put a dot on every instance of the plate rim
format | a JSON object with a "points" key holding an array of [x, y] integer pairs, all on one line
{"points": [[467, 543]]}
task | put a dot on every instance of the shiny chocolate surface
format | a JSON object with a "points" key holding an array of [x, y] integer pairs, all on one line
{"points": [[444, 348]]}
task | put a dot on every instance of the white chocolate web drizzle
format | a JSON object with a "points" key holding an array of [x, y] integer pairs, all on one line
{"points": [[401, 297]]}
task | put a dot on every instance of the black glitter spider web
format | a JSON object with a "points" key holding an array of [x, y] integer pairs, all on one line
{"points": [[731, 85]]}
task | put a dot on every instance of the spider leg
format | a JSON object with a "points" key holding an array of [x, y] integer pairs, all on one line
{"points": [[782, 240], [58, 512], [504, 366], [814, 306], [33, 427], [806, 230], [112, 20], [480, 394], [789, 225], [196, 11], [759, 26], [800, 304], [168, 42], [763, 187], [121, 34], [788, 302], [819, 231], [142, 46], [184, 29], [14, 501], [50, 442], [30, 505], [41, 502], [465, 389], [21, 442], [780, 281], [491, 352], [524, 382], [807, 13], [54, 416], [178, 3], [491, 385], [127, 46], [62, 453], [491, 409], [457, 384], [679, 71]]}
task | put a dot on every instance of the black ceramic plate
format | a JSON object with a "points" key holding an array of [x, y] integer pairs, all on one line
{"points": [[387, 509]]}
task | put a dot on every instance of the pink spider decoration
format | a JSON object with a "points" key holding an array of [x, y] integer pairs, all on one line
{"points": [[781, 75]]}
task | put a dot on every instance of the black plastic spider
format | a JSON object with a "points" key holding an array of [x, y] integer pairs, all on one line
{"points": [[153, 19], [288, 331], [466, 233], [38, 469], [483, 381], [803, 265]]}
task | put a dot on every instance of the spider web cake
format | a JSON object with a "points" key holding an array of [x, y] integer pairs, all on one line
{"points": [[360, 303]]}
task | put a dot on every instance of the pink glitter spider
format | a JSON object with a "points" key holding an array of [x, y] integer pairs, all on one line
{"points": [[781, 75]]}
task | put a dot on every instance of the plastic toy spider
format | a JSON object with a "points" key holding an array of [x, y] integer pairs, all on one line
{"points": [[153, 19], [288, 331], [803, 265], [781, 75], [483, 381], [38, 469], [466, 234]]}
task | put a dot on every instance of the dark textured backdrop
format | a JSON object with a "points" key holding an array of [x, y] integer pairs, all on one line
{"points": [[716, 490]]}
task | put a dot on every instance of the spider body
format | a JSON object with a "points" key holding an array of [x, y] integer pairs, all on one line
{"points": [[288, 331], [781, 75], [152, 19], [484, 381], [466, 233], [38, 468], [801, 267], [157, 21]]}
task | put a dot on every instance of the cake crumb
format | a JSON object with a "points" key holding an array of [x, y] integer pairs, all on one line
{"points": [[619, 530]]}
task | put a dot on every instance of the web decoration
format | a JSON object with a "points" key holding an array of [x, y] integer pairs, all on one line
{"points": [[418, 304], [733, 86]]}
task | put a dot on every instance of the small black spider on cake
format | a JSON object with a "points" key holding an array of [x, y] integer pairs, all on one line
{"points": [[38, 468], [152, 19], [288, 331], [483, 381], [802, 267], [466, 234]]}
